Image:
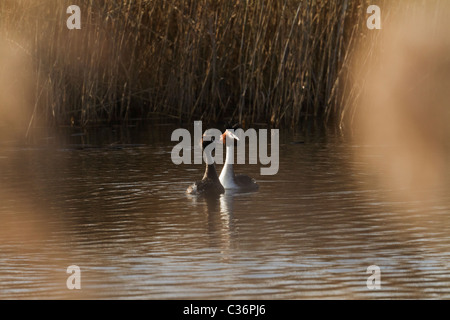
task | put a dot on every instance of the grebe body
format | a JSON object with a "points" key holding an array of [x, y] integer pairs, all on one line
{"points": [[210, 184]]}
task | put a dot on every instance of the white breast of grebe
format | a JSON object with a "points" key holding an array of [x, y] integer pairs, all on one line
{"points": [[227, 177]]}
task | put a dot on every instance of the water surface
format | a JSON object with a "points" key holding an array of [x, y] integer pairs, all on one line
{"points": [[116, 207]]}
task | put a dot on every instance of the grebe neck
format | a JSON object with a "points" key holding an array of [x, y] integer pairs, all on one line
{"points": [[228, 171], [229, 158], [210, 172]]}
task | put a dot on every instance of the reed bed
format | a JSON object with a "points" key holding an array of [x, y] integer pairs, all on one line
{"points": [[276, 62]]}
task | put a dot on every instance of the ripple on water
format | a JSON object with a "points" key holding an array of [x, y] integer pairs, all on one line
{"points": [[122, 215]]}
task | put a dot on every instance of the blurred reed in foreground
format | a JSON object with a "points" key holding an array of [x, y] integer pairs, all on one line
{"points": [[276, 62], [404, 110]]}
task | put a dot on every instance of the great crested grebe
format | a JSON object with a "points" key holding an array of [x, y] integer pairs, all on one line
{"points": [[210, 184], [227, 177]]}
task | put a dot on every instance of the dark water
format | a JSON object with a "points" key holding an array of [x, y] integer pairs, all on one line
{"points": [[119, 212]]}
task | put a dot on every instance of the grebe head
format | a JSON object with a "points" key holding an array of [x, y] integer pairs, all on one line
{"points": [[229, 134], [208, 139]]}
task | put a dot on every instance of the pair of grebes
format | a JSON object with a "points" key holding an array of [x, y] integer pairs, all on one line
{"points": [[211, 184]]}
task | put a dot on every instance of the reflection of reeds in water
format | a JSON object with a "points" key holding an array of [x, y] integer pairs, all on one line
{"points": [[273, 61], [405, 106], [29, 270]]}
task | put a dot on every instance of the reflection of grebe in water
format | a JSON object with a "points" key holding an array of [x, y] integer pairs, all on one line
{"points": [[222, 226], [220, 212], [210, 184], [219, 221]]}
